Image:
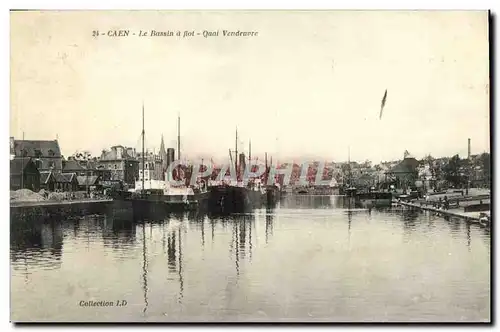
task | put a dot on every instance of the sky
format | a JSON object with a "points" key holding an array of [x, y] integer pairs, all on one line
{"points": [[310, 84]]}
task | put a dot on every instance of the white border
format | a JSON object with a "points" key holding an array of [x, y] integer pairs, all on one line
{"points": [[187, 4]]}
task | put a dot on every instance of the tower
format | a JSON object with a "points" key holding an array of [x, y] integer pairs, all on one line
{"points": [[163, 155]]}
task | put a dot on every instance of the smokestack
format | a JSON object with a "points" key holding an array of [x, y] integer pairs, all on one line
{"points": [[170, 156], [468, 149]]}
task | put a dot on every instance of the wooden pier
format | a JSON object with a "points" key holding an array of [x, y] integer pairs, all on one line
{"points": [[456, 214]]}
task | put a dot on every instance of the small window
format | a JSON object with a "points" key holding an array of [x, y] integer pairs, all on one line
{"points": [[38, 153], [116, 166], [51, 153]]}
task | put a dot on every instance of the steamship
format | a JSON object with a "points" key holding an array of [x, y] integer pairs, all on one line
{"points": [[234, 196]]}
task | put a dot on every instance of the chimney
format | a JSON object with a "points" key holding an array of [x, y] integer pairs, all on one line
{"points": [[468, 149]]}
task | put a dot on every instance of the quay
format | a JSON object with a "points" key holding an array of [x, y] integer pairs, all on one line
{"points": [[468, 216], [57, 210], [49, 210], [58, 203]]}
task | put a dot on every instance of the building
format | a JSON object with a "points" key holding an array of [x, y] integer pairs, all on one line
{"points": [[74, 166], [122, 164], [405, 173], [426, 178], [86, 183], [153, 165], [66, 181], [45, 154], [24, 174], [47, 181]]}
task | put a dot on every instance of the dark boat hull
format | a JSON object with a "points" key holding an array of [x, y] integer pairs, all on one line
{"points": [[272, 196], [374, 199], [152, 207], [202, 198], [231, 199]]}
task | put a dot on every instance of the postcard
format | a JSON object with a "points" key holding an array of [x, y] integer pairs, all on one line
{"points": [[250, 166]]}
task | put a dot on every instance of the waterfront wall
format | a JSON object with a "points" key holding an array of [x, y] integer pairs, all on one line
{"points": [[43, 211]]}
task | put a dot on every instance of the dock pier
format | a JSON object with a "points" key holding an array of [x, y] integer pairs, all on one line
{"points": [[468, 216]]}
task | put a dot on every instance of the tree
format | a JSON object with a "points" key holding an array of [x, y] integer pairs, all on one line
{"points": [[82, 156], [485, 163], [452, 171], [433, 166]]}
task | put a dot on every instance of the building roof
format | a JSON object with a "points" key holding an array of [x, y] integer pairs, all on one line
{"points": [[113, 154], [87, 180], [73, 165], [37, 149], [17, 165], [46, 176], [408, 165], [399, 169], [65, 177]]}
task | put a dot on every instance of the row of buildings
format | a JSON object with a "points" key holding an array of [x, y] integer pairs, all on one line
{"points": [[426, 173], [39, 164]]}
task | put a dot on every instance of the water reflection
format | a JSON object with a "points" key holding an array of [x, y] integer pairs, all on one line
{"points": [[116, 234], [269, 224], [241, 225], [144, 268], [181, 277], [38, 244], [308, 202], [467, 228], [173, 265], [172, 259]]}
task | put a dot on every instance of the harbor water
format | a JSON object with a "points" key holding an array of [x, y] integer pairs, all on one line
{"points": [[312, 258]]}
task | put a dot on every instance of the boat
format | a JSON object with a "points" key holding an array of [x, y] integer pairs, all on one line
{"points": [[303, 191], [374, 199], [369, 198], [484, 219], [228, 199], [155, 198], [349, 191], [232, 195], [272, 195]]}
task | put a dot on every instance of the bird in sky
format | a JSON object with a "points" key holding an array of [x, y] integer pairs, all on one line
{"points": [[383, 104]]}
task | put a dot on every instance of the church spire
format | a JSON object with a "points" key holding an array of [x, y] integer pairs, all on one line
{"points": [[162, 151]]}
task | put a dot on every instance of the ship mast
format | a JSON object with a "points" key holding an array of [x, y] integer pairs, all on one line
{"points": [[266, 173], [179, 137], [22, 162], [236, 156], [143, 134], [349, 164]]}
